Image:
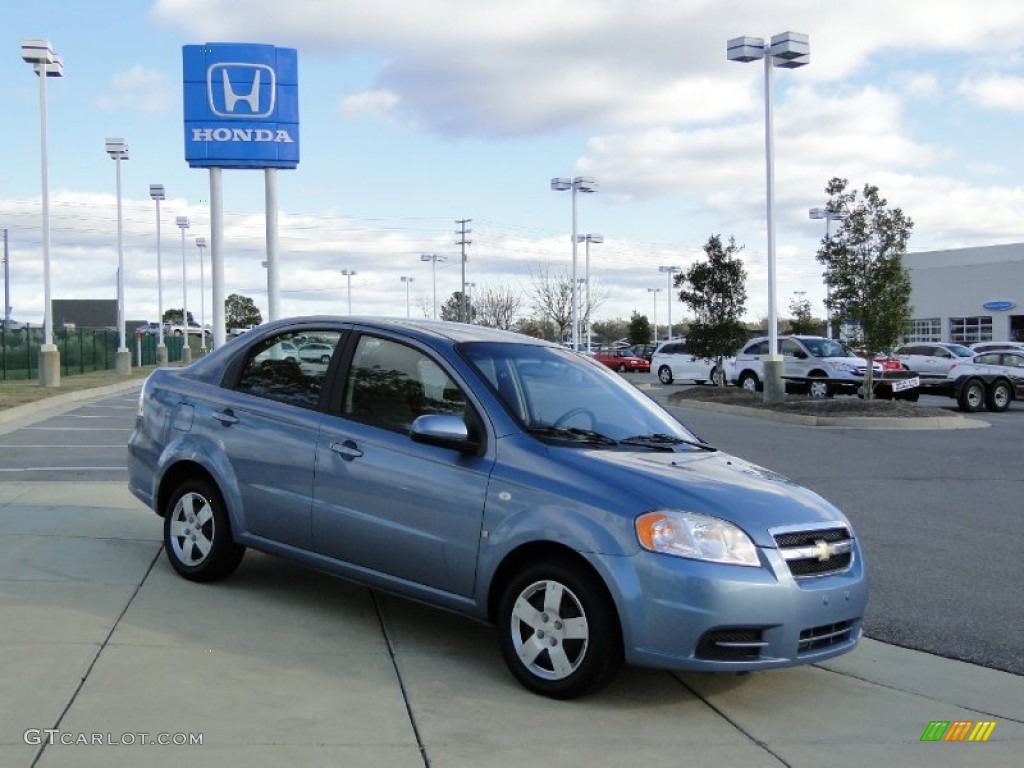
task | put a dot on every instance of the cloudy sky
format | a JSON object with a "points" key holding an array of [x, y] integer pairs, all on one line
{"points": [[417, 113]]}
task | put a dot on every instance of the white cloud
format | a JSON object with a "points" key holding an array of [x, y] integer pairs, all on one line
{"points": [[372, 103], [1000, 92], [142, 89]]}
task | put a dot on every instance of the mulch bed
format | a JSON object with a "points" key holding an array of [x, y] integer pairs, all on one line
{"points": [[801, 404]]}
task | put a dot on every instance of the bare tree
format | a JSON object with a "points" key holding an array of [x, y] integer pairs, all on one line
{"points": [[552, 298], [497, 307]]}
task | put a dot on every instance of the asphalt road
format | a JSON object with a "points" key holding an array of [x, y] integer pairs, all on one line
{"points": [[937, 511]]}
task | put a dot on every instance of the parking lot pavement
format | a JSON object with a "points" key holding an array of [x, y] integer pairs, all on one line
{"points": [[100, 640]]}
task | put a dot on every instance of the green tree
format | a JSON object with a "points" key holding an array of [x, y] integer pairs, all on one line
{"points": [[639, 329], [173, 316], [802, 321], [452, 308], [608, 331], [869, 288], [538, 327], [716, 292], [240, 312]]}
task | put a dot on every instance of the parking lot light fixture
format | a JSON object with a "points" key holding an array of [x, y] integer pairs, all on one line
{"points": [[787, 50], [670, 271], [578, 184], [829, 216], [348, 273], [46, 64], [591, 237], [433, 258], [157, 193], [408, 281], [118, 151], [186, 350], [655, 292]]}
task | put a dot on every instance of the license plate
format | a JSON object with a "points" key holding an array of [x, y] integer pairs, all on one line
{"points": [[902, 384]]}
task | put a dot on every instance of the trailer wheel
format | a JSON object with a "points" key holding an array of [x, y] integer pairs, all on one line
{"points": [[999, 396], [972, 396]]}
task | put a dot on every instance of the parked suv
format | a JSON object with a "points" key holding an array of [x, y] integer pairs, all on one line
{"points": [[838, 367], [933, 359], [672, 360]]}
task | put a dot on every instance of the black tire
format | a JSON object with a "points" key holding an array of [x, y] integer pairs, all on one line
{"points": [[568, 661], [195, 519], [665, 375], [717, 377], [819, 390], [999, 396], [972, 396], [621, 368], [749, 382]]}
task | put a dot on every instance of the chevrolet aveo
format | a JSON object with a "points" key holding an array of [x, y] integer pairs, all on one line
{"points": [[502, 477]]}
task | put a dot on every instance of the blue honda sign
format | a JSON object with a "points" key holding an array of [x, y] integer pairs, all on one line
{"points": [[241, 106], [998, 306]]}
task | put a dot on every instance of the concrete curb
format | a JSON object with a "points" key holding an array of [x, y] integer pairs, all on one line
{"points": [[953, 421]]}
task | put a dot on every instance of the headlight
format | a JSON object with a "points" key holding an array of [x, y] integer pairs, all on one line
{"points": [[688, 534]]}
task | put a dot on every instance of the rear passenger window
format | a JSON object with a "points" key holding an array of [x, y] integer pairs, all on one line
{"points": [[289, 367]]}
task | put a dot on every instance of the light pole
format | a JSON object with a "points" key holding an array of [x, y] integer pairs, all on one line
{"points": [[670, 271], [655, 292], [118, 151], [408, 281], [186, 350], [46, 64], [829, 217], [156, 192], [577, 184], [201, 245], [788, 50], [592, 237], [348, 274], [434, 258], [469, 302]]}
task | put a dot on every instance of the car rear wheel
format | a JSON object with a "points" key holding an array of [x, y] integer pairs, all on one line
{"points": [[665, 375], [621, 368], [717, 377], [558, 630], [197, 533], [749, 382], [972, 396], [999, 397]]}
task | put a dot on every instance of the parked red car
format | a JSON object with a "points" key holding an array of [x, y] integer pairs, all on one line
{"points": [[622, 360]]}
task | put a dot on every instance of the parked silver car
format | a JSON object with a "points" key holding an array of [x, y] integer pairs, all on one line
{"points": [[502, 477], [932, 359], [672, 361], [817, 366]]}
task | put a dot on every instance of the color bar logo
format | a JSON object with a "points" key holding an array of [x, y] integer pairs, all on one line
{"points": [[958, 730]]}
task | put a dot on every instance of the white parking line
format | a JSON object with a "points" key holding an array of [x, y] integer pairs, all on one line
{"points": [[62, 469], [77, 429]]}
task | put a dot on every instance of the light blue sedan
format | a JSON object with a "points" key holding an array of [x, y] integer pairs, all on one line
{"points": [[505, 478]]}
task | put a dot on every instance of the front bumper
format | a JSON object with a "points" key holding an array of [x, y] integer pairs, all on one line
{"points": [[692, 615]]}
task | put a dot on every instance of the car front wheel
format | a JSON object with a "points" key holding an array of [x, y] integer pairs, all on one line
{"points": [[558, 630], [665, 375], [197, 533]]}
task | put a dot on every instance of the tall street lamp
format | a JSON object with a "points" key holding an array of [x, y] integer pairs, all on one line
{"points": [[434, 258], [788, 50], [577, 184], [408, 281], [156, 192], [670, 271], [655, 292], [186, 350], [592, 237], [348, 274], [829, 217], [46, 64], [201, 245], [118, 151]]}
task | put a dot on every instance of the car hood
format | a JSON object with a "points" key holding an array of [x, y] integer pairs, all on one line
{"points": [[717, 484]]}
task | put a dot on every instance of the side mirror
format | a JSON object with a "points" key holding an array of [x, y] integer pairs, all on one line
{"points": [[443, 430]]}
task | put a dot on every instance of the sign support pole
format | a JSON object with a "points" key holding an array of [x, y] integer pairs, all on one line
{"points": [[217, 253]]}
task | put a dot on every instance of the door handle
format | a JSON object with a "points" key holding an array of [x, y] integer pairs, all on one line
{"points": [[225, 417], [348, 450]]}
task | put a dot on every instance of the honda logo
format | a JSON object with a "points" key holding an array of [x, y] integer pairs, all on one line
{"points": [[241, 90]]}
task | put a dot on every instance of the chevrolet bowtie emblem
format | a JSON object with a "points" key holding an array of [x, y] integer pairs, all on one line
{"points": [[823, 550]]}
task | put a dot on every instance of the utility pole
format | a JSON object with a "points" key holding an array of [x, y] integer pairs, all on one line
{"points": [[7, 283], [464, 308]]}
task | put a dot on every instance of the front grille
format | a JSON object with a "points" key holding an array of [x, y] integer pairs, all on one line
{"points": [[731, 644], [818, 552], [825, 636]]}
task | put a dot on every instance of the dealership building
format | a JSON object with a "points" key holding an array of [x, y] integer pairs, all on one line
{"points": [[967, 294]]}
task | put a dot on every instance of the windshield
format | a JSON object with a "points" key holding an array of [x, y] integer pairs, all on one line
{"points": [[826, 348], [549, 388]]}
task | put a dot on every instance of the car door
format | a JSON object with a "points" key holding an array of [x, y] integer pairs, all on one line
{"points": [[267, 422], [386, 503]]}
